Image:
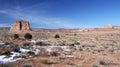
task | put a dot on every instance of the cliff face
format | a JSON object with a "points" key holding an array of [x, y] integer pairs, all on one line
{"points": [[20, 26]]}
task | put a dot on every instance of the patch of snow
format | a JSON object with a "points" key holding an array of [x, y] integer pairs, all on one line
{"points": [[35, 47], [38, 40], [15, 54], [44, 40], [65, 48], [33, 41], [49, 50], [30, 56], [24, 50], [69, 56], [77, 47], [11, 58], [36, 51], [2, 43], [4, 59]]}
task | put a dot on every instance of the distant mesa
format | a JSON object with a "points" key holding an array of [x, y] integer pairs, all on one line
{"points": [[20, 26], [108, 26], [111, 26]]}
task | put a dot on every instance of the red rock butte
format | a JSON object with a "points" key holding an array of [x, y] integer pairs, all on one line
{"points": [[20, 26]]}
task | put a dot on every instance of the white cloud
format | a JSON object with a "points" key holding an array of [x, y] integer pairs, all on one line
{"points": [[3, 25], [33, 16]]}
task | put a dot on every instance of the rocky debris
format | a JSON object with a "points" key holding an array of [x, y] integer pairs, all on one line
{"points": [[104, 62], [28, 51], [20, 26], [69, 49]]}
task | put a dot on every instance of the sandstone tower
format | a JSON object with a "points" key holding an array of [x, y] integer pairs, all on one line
{"points": [[20, 26]]}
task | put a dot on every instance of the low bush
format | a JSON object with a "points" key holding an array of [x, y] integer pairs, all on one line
{"points": [[15, 47], [7, 43], [44, 61], [102, 62], [6, 65], [39, 43], [27, 65], [28, 36], [31, 53], [94, 65], [57, 36], [54, 54], [17, 50], [6, 53], [16, 36], [26, 44]]}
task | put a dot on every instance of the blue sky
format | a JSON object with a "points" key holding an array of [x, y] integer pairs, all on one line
{"points": [[60, 13]]}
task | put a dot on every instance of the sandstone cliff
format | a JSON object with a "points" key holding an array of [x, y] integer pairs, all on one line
{"points": [[20, 26]]}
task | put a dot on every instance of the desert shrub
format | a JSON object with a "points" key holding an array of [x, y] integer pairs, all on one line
{"points": [[76, 43], [28, 36], [11, 43], [72, 45], [62, 44], [39, 43], [75, 34], [15, 47], [101, 62], [26, 44], [16, 36], [81, 49], [69, 63], [94, 65], [44, 61], [27, 65], [6, 53], [7, 43], [57, 36], [6, 65], [17, 50], [31, 53], [54, 54]]}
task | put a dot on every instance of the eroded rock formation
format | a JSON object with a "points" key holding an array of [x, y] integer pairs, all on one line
{"points": [[20, 26]]}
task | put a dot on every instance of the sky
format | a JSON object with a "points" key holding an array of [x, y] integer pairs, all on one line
{"points": [[60, 13]]}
